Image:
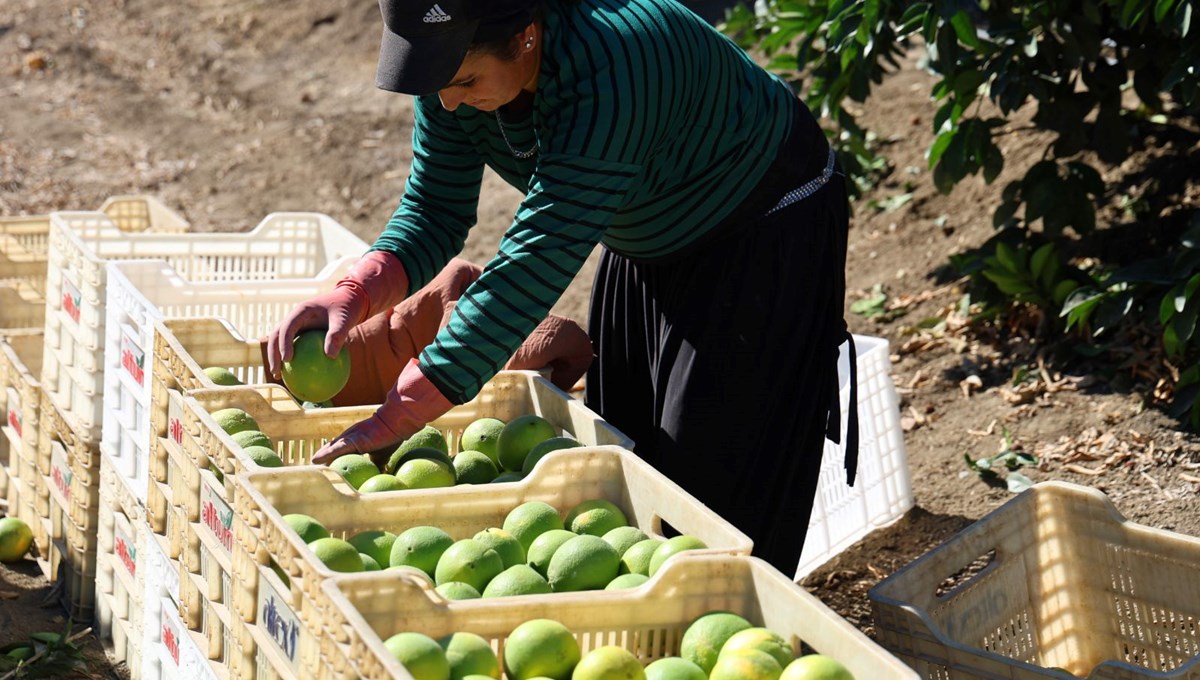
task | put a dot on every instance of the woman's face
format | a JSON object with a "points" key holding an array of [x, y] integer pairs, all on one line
{"points": [[487, 82]]}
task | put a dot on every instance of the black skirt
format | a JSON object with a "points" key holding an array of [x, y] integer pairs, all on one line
{"points": [[721, 365]]}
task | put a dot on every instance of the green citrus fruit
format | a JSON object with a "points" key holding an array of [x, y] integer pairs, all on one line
{"points": [[624, 538], [636, 558], [519, 436], [746, 664], [377, 544], [306, 527], [219, 375], [457, 590], [582, 563], [762, 639], [596, 517], [421, 656], [468, 561], [15, 539], [309, 374], [704, 637], [469, 654], [420, 547], [263, 456], [428, 437], [540, 648], [234, 420], [474, 467], [481, 435], [609, 663], [505, 544], [674, 668], [247, 438], [507, 476], [544, 547], [531, 519], [626, 581], [423, 473], [355, 468], [337, 554], [382, 482], [816, 667], [519, 579], [369, 563], [540, 450], [673, 546]]}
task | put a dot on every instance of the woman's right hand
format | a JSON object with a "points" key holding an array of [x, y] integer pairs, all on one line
{"points": [[375, 283], [338, 311]]}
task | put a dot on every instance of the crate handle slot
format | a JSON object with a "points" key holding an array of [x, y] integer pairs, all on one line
{"points": [[966, 575]]}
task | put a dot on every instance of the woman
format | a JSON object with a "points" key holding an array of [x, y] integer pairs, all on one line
{"points": [[717, 308]]}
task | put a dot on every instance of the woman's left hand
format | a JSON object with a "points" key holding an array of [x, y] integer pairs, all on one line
{"points": [[412, 403]]}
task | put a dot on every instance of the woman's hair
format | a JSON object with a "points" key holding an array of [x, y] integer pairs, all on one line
{"points": [[507, 44]]}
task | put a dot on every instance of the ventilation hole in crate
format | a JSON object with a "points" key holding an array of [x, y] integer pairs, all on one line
{"points": [[963, 575]]}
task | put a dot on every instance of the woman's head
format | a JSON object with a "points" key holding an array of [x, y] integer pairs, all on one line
{"points": [[496, 68], [426, 43]]}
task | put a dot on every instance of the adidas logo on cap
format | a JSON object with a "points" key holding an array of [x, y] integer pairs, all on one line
{"points": [[436, 15]]}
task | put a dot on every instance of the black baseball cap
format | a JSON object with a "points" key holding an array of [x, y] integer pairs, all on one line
{"points": [[425, 41]]}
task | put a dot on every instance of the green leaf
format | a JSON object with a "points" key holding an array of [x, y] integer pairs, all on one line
{"points": [[1162, 9], [940, 144], [1037, 263], [1063, 289], [1008, 284], [1009, 257], [964, 27]]}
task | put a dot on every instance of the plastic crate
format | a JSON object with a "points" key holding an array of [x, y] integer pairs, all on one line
{"points": [[21, 308], [120, 576], [649, 620], [1054, 578], [562, 479], [882, 491], [20, 390], [282, 246], [24, 241], [73, 484], [142, 293]]}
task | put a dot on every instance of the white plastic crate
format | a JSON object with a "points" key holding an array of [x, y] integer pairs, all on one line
{"points": [[25, 240], [21, 308], [283, 245], [120, 578], [142, 293], [882, 491]]}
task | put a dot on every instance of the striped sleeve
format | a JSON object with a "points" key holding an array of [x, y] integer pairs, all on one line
{"points": [[441, 196], [571, 202]]}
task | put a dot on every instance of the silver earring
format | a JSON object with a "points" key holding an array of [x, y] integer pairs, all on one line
{"points": [[529, 43]]}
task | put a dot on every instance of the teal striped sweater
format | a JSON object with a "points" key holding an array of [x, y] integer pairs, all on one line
{"points": [[651, 127]]}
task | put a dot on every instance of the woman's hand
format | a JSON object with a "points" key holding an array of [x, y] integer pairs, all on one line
{"points": [[411, 404], [375, 283]]}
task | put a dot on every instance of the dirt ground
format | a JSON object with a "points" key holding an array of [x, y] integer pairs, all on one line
{"points": [[230, 109]]}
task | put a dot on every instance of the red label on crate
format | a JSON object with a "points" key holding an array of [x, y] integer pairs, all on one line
{"points": [[14, 411], [279, 622], [60, 473], [174, 418], [217, 516], [133, 359], [170, 639], [126, 553], [71, 300]]}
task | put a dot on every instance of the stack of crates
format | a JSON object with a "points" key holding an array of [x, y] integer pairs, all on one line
{"points": [[24, 270], [95, 376]]}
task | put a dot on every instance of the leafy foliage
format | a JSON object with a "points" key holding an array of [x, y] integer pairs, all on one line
{"points": [[1096, 73]]}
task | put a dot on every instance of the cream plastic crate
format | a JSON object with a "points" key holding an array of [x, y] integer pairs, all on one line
{"points": [[21, 308], [73, 483], [161, 586], [20, 363], [1055, 577], [24, 241], [282, 246], [120, 574], [562, 479], [648, 620], [142, 293], [882, 492]]}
